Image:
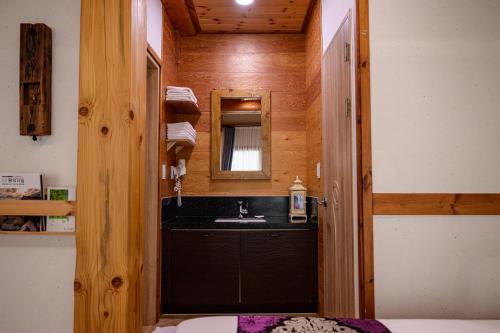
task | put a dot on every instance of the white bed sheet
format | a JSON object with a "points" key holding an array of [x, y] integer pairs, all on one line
{"points": [[228, 324], [441, 326]]}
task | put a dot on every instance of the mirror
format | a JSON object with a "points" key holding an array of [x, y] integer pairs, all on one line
{"points": [[241, 138]]}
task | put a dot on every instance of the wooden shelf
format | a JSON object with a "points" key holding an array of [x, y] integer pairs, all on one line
{"points": [[183, 107], [37, 207], [37, 233], [179, 145]]}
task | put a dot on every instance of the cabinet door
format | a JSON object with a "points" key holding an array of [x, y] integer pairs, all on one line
{"points": [[279, 270], [202, 270]]}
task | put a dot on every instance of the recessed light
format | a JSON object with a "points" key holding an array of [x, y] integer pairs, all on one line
{"points": [[244, 2]]}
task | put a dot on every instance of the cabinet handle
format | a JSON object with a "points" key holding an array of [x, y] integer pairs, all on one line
{"points": [[275, 235], [205, 235]]}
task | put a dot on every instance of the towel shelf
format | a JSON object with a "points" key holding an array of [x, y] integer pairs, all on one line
{"points": [[183, 107], [179, 145]]}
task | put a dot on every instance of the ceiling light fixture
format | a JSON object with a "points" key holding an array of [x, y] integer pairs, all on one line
{"points": [[244, 2]]}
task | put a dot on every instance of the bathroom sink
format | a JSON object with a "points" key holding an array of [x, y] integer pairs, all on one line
{"points": [[237, 220]]}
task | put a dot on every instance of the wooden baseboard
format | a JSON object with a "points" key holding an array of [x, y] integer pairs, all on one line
{"points": [[436, 204]]}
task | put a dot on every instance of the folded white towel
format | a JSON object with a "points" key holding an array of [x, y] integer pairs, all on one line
{"points": [[174, 92], [179, 92], [181, 131], [183, 128], [182, 134], [181, 125], [181, 138], [184, 95], [174, 88]]}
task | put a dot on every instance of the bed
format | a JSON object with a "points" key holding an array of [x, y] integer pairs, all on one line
{"points": [[276, 324]]}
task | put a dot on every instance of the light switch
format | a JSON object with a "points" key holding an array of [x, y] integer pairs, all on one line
{"points": [[318, 170], [164, 171]]}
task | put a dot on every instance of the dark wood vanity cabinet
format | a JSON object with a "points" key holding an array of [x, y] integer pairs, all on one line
{"points": [[279, 270], [235, 271], [202, 270]]}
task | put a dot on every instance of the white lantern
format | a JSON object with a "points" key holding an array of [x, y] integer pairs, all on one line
{"points": [[298, 202]]}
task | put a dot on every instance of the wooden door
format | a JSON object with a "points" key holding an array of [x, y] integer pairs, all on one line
{"points": [[338, 171], [279, 271], [201, 274]]}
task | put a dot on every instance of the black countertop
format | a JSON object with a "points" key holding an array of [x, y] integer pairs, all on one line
{"points": [[201, 212], [272, 222]]}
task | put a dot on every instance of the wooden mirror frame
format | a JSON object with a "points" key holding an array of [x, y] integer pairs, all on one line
{"points": [[265, 96]]}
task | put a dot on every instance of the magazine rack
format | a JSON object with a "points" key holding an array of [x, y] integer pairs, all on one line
{"points": [[37, 208]]}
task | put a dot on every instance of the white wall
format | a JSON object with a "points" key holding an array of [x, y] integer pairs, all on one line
{"points": [[333, 13], [435, 80], [435, 94], [36, 279], [155, 25], [36, 284], [437, 267]]}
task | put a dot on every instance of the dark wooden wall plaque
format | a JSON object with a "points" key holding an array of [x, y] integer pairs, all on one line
{"points": [[35, 79]]}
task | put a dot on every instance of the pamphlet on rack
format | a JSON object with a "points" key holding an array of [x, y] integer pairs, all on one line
{"points": [[61, 223], [21, 186]]}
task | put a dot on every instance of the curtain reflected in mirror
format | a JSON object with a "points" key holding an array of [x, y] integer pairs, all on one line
{"points": [[227, 144], [242, 149]]}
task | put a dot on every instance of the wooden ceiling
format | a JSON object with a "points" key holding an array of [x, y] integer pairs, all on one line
{"points": [[226, 16]]}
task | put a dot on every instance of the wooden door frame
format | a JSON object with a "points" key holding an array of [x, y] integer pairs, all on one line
{"points": [[364, 163], [110, 167], [149, 315]]}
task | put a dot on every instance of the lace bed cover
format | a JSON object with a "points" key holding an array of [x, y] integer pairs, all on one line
{"points": [[277, 324]]}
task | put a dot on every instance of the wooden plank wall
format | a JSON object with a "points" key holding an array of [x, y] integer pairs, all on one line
{"points": [[314, 125], [168, 77], [109, 237], [275, 62]]}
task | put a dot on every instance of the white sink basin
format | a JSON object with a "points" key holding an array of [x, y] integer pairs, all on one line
{"points": [[237, 220]]}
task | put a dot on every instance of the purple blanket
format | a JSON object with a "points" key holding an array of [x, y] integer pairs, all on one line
{"points": [[275, 324]]}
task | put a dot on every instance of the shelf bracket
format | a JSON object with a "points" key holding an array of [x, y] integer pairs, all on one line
{"points": [[179, 145], [170, 145]]}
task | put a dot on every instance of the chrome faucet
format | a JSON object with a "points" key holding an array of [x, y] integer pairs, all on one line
{"points": [[243, 211]]}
